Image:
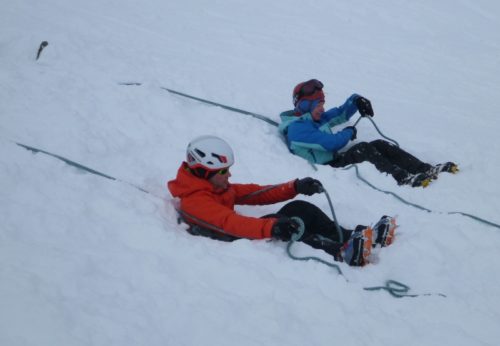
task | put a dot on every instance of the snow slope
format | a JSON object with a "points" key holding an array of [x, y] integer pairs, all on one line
{"points": [[86, 260]]}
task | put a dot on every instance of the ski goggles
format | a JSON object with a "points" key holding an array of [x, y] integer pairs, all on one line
{"points": [[207, 173], [306, 106], [307, 89]]}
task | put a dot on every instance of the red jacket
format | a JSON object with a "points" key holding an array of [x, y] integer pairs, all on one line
{"points": [[200, 200]]}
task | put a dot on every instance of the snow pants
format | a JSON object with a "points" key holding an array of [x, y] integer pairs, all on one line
{"points": [[387, 158], [320, 231]]}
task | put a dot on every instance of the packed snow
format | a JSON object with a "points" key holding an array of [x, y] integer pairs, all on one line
{"points": [[86, 260]]}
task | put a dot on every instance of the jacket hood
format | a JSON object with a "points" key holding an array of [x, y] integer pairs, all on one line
{"points": [[289, 117], [186, 183]]}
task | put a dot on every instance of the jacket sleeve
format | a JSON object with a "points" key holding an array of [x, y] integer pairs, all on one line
{"points": [[343, 113], [254, 194], [204, 208]]}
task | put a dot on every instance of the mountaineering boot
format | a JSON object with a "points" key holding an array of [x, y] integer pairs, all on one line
{"points": [[358, 247], [449, 167], [403, 177], [383, 231], [416, 180]]}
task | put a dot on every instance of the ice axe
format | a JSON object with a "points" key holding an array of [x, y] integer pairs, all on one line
{"points": [[42, 46]]}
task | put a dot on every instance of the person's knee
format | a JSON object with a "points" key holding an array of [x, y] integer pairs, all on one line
{"points": [[378, 142], [381, 144], [360, 151], [298, 208], [300, 205], [363, 146]]}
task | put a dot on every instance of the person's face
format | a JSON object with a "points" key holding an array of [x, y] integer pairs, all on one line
{"points": [[220, 180], [317, 111]]}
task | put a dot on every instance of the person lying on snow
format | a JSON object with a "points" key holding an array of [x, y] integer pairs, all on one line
{"points": [[307, 129], [207, 201]]}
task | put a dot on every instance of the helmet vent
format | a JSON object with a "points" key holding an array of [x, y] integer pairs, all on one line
{"points": [[199, 152], [221, 158]]}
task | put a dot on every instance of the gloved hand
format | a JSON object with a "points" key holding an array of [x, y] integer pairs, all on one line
{"points": [[284, 228], [308, 186], [354, 131], [364, 106]]}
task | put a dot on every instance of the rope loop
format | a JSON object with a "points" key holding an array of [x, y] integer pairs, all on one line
{"points": [[307, 258], [399, 290], [301, 229]]}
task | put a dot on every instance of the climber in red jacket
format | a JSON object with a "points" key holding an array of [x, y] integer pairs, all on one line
{"points": [[207, 201]]}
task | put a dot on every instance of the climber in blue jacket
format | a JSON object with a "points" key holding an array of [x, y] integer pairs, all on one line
{"points": [[307, 129]]}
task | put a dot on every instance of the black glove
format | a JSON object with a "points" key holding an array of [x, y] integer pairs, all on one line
{"points": [[364, 106], [308, 186], [354, 131], [284, 228]]}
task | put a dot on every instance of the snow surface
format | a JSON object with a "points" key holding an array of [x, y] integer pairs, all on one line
{"points": [[86, 260]]}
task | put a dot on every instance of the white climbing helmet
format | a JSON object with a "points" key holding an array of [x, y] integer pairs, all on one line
{"points": [[210, 153]]}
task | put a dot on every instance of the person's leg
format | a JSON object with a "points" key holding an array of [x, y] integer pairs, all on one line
{"points": [[315, 220], [400, 157], [320, 232], [365, 151]]}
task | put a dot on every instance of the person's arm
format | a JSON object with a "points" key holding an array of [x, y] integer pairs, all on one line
{"points": [[342, 113], [254, 194], [203, 207]]}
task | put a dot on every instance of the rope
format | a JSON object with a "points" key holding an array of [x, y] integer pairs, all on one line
{"points": [[237, 110], [258, 192], [399, 290], [471, 216], [384, 191], [274, 123], [81, 167], [395, 288], [378, 130], [296, 237], [337, 226], [289, 245], [302, 228], [316, 259]]}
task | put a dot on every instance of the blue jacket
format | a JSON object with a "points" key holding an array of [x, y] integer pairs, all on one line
{"points": [[314, 140]]}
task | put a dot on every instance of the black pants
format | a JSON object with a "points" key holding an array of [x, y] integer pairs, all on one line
{"points": [[387, 158], [320, 231]]}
